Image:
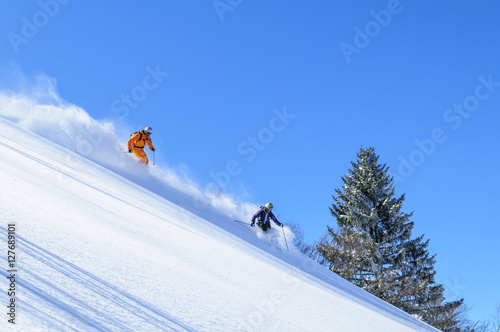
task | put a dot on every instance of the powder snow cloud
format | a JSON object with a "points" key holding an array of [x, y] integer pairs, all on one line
{"points": [[37, 107]]}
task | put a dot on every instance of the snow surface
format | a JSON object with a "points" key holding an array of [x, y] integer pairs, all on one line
{"points": [[104, 244]]}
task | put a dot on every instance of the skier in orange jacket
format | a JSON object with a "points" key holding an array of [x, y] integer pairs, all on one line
{"points": [[137, 143]]}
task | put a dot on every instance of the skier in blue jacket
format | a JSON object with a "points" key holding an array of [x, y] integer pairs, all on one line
{"points": [[264, 217]]}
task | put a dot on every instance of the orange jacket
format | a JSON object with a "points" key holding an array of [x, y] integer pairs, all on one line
{"points": [[139, 140]]}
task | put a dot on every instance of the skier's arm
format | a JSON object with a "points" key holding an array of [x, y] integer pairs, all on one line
{"points": [[275, 220], [150, 144], [255, 216]]}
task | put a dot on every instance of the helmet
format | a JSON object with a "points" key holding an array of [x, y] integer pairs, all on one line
{"points": [[269, 206], [148, 130]]}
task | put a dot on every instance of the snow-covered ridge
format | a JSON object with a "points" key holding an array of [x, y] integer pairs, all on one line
{"points": [[104, 244]]}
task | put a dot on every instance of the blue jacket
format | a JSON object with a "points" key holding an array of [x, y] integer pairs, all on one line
{"points": [[263, 217]]}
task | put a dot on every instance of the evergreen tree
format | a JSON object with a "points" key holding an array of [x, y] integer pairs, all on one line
{"points": [[372, 246]]}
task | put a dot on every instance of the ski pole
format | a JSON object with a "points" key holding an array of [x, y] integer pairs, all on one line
{"points": [[242, 222], [285, 239], [154, 161]]}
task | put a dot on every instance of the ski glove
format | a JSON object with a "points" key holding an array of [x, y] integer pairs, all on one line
{"points": [[153, 149], [252, 224], [129, 151]]}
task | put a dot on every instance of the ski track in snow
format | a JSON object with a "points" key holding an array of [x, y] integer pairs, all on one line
{"points": [[100, 302]]}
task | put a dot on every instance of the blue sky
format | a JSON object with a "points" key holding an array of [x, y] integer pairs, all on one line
{"points": [[271, 102]]}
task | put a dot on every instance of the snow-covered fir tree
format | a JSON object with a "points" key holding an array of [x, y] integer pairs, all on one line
{"points": [[373, 247]]}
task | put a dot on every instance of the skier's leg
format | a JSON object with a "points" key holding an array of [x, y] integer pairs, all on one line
{"points": [[143, 157]]}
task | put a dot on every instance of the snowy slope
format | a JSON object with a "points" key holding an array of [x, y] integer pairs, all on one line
{"points": [[112, 246]]}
